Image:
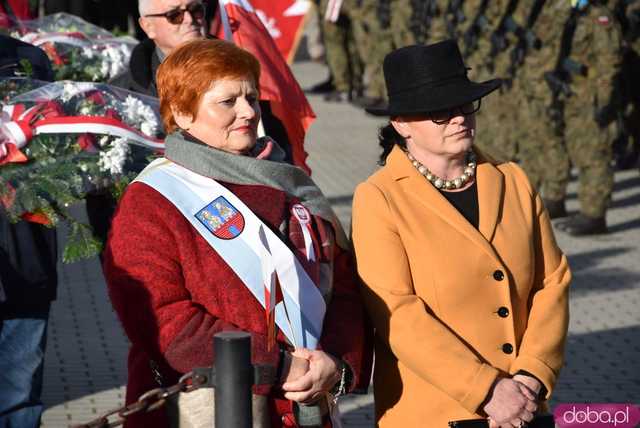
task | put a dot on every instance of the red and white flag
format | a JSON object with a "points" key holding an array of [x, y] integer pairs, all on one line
{"points": [[241, 24], [284, 19]]}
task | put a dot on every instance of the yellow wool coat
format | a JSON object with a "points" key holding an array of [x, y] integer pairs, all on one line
{"points": [[455, 306]]}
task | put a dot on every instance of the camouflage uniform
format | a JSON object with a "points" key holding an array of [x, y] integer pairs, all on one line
{"points": [[436, 31], [596, 44], [383, 38], [341, 46], [498, 116]]}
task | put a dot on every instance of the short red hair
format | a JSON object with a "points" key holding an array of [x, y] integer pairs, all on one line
{"points": [[189, 72]]}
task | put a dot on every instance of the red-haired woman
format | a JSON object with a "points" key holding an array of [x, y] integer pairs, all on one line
{"points": [[202, 231]]}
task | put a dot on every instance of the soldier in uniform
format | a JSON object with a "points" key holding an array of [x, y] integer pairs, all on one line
{"points": [[581, 141], [341, 39], [388, 26], [499, 113]]}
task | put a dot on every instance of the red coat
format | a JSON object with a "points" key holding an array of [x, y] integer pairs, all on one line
{"points": [[173, 292]]}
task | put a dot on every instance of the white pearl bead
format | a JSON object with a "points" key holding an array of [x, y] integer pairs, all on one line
{"points": [[468, 172]]}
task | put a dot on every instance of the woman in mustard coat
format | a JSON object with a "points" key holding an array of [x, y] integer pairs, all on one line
{"points": [[461, 273]]}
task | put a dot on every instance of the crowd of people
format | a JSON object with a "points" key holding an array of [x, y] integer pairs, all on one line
{"points": [[569, 99], [488, 106]]}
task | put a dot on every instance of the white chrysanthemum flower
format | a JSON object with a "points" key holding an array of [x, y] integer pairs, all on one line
{"points": [[88, 52], [147, 128], [113, 160], [103, 141], [69, 90], [113, 59], [140, 115]]}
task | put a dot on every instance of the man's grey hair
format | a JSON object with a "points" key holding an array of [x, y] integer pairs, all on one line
{"points": [[145, 7]]}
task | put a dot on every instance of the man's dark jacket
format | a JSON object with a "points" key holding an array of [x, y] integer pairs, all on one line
{"points": [[141, 78], [28, 251]]}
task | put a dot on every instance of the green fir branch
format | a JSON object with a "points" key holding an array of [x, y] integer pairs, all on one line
{"points": [[81, 243]]}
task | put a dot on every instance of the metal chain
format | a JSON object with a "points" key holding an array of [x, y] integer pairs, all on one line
{"points": [[149, 401]]}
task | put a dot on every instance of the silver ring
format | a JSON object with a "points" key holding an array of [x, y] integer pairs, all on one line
{"points": [[522, 424]]}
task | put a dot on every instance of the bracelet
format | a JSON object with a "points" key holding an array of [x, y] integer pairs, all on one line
{"points": [[340, 387]]}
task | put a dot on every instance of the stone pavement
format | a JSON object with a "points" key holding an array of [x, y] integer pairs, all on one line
{"points": [[86, 353]]}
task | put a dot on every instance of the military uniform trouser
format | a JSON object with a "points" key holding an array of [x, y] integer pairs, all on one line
{"points": [[341, 49], [588, 148]]}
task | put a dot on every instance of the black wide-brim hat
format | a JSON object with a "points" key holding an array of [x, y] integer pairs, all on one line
{"points": [[422, 79]]}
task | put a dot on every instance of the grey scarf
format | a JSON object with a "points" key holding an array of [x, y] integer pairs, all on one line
{"points": [[236, 169]]}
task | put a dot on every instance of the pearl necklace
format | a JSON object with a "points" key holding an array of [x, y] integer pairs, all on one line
{"points": [[441, 183]]}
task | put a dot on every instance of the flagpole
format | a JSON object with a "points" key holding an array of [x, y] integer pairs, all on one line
{"points": [[228, 34]]}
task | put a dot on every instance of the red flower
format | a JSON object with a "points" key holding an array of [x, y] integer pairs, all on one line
{"points": [[96, 97], [113, 114], [37, 217], [87, 143], [51, 52]]}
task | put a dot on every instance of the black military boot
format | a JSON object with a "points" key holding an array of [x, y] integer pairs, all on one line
{"points": [[369, 102], [581, 225], [322, 87], [556, 209]]}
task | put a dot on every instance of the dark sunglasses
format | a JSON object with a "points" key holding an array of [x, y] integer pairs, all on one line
{"points": [[441, 117], [176, 16]]}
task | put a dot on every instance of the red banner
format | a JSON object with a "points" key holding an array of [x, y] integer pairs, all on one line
{"points": [[284, 19]]}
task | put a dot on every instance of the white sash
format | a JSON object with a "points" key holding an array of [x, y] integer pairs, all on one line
{"points": [[245, 245]]}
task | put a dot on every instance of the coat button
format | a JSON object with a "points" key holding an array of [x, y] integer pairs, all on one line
{"points": [[507, 348], [503, 312], [498, 275]]}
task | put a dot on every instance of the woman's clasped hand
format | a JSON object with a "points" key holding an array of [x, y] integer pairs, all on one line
{"points": [[322, 375], [511, 403]]}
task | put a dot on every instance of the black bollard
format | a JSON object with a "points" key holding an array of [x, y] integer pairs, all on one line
{"points": [[234, 378]]}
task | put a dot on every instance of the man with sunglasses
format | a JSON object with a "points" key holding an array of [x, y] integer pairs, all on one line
{"points": [[168, 24]]}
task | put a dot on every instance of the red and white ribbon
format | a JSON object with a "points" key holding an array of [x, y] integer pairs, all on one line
{"points": [[304, 218], [73, 39], [27, 124]]}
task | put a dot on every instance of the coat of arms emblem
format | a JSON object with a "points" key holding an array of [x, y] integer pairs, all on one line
{"points": [[222, 218]]}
